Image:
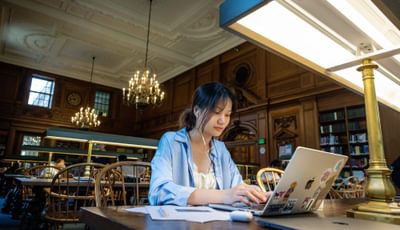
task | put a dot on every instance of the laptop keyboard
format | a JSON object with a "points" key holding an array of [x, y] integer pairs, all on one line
{"points": [[252, 206]]}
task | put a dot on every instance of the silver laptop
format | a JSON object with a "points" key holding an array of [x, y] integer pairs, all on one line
{"points": [[307, 179]]}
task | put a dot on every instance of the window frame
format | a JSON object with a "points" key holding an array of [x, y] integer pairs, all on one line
{"points": [[97, 103], [50, 95]]}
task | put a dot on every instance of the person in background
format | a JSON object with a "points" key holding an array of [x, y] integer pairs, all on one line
{"points": [[129, 172], [192, 167], [395, 166], [101, 160], [8, 183], [60, 163], [12, 169], [51, 172], [122, 158], [276, 164]]}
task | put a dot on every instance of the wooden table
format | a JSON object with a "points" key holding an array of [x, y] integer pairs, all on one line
{"points": [[31, 181], [13, 175], [119, 218]]}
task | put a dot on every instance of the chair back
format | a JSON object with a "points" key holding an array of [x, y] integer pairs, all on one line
{"points": [[40, 171], [20, 170], [120, 183], [347, 188], [71, 188], [268, 178]]}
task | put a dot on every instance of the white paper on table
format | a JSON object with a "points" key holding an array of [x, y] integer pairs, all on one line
{"points": [[138, 209], [200, 214]]}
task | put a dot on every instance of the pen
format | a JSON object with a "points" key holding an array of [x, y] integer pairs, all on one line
{"points": [[191, 210], [162, 212]]}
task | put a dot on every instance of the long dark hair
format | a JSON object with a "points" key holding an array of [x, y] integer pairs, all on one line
{"points": [[206, 98]]}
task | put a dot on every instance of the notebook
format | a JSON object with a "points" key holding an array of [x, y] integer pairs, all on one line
{"points": [[307, 179]]}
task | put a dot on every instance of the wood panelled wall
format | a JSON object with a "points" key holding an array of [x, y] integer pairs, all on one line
{"points": [[17, 118], [279, 98], [277, 90]]}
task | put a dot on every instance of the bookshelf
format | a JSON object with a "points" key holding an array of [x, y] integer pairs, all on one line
{"points": [[333, 136], [76, 145], [344, 131]]}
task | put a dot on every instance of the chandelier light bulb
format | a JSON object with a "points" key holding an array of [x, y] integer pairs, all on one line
{"points": [[86, 117], [143, 88]]}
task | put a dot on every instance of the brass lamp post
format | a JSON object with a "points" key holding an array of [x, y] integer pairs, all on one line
{"points": [[380, 190], [325, 37]]}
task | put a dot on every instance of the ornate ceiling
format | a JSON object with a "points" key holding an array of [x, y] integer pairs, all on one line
{"points": [[61, 36]]}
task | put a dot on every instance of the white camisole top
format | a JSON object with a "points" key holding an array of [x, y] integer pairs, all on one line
{"points": [[204, 180]]}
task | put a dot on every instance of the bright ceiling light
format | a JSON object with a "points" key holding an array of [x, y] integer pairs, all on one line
{"points": [[328, 37]]}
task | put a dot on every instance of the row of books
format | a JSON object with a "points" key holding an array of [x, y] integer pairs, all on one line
{"points": [[332, 116], [330, 140], [359, 150], [333, 149], [340, 114], [358, 138], [359, 162], [354, 150], [333, 128], [356, 113], [357, 125]]}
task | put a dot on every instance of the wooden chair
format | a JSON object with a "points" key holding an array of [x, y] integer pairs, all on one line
{"points": [[268, 178], [120, 182], [32, 197], [40, 171], [347, 188], [20, 197], [15, 198], [67, 194]]}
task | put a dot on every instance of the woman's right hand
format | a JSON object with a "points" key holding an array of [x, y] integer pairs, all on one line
{"points": [[247, 194]]}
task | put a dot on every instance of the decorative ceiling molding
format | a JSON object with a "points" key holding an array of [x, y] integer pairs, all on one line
{"points": [[61, 36]]}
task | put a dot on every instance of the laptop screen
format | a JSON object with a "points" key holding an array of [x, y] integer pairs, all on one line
{"points": [[307, 179]]}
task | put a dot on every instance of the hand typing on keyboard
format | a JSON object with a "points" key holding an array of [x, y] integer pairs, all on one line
{"points": [[245, 194]]}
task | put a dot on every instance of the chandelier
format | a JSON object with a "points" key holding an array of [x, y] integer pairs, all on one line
{"points": [[143, 88], [86, 117]]}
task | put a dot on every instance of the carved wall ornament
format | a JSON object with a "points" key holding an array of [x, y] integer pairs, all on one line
{"points": [[285, 122], [242, 74], [238, 79], [284, 134], [240, 131]]}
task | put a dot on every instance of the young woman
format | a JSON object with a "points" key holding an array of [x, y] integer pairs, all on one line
{"points": [[190, 166]]}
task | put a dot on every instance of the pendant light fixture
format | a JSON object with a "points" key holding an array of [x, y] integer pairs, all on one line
{"points": [[143, 88], [86, 117]]}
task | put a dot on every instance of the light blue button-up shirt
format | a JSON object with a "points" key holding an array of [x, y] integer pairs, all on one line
{"points": [[172, 179]]}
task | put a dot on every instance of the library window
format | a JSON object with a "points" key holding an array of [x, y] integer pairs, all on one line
{"points": [[30, 141], [102, 103], [41, 92]]}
